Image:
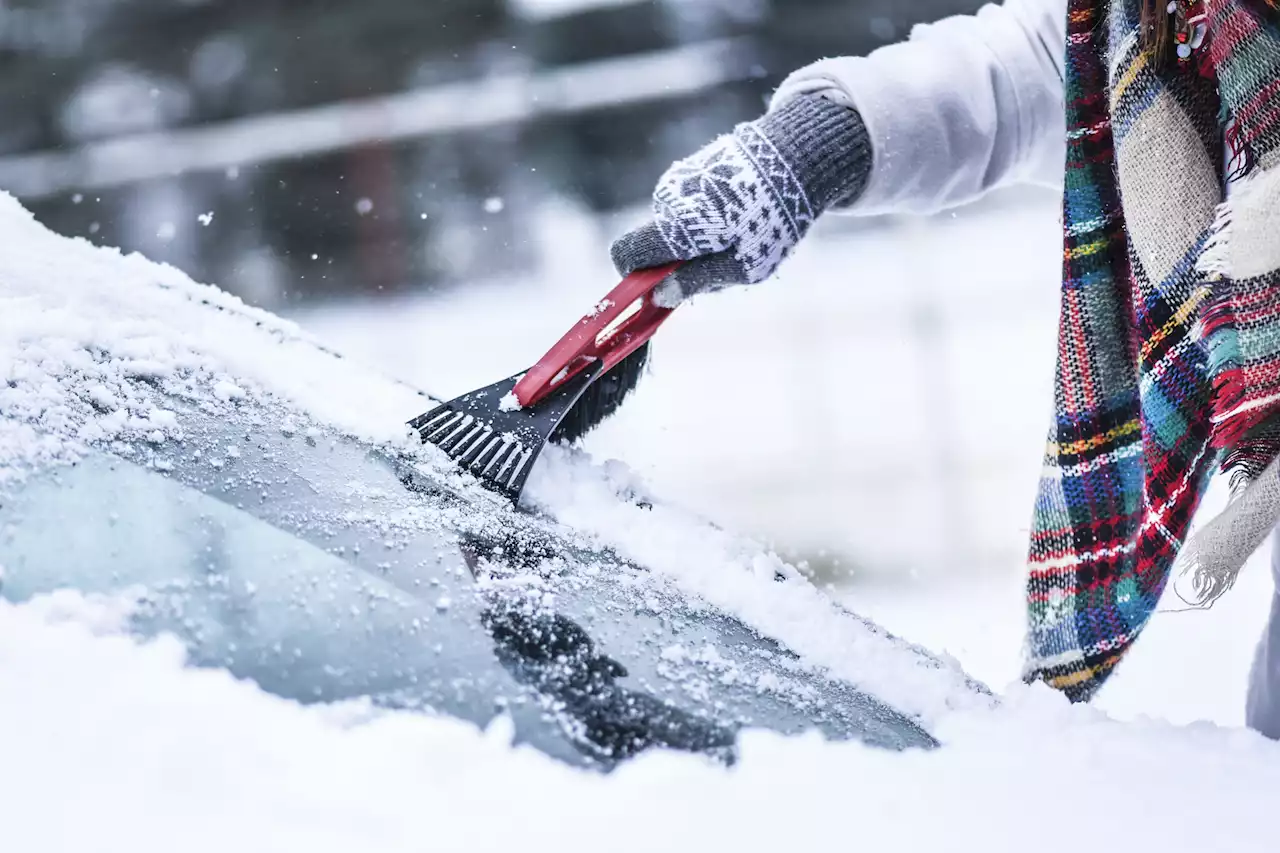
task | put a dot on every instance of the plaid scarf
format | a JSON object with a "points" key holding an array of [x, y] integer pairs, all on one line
{"points": [[1169, 338]]}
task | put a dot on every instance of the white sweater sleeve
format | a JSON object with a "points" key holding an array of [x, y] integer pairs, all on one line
{"points": [[966, 105]]}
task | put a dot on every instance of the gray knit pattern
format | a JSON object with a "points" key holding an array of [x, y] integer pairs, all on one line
{"points": [[737, 208]]}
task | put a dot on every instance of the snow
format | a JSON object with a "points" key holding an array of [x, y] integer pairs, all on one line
{"points": [[79, 325], [1190, 665], [711, 564], [116, 743], [140, 749]]}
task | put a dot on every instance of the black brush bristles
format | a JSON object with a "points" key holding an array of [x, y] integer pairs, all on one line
{"points": [[602, 398]]}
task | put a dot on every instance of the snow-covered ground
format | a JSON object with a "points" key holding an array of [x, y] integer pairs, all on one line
{"points": [[108, 744]]}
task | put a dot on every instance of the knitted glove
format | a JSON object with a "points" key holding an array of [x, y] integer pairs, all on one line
{"points": [[737, 208]]}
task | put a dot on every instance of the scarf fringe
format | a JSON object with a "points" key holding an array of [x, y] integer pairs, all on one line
{"points": [[1216, 328], [1243, 426], [1209, 563], [1250, 458], [1215, 259], [1238, 409]]}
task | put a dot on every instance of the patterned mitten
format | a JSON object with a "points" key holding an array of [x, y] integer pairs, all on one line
{"points": [[737, 208]]}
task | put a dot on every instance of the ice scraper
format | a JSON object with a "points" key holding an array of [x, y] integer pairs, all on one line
{"points": [[497, 432]]}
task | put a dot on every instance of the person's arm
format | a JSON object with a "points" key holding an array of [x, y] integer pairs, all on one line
{"points": [[967, 104]]}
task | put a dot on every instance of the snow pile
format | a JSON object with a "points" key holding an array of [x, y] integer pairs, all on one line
{"points": [[1191, 665], [741, 577], [86, 332], [117, 744]]}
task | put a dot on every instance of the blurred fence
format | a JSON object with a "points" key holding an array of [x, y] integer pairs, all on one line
{"points": [[295, 150]]}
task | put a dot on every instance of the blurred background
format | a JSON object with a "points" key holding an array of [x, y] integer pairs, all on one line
{"points": [[405, 143], [432, 186]]}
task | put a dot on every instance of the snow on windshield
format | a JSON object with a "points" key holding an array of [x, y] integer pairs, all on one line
{"points": [[84, 331]]}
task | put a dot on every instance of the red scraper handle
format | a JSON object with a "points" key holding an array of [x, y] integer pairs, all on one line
{"points": [[621, 323]]}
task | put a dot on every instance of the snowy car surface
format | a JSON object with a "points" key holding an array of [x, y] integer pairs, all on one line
{"points": [[153, 447], [324, 569]]}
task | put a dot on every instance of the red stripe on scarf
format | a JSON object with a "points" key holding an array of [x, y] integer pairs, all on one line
{"points": [[1259, 115]]}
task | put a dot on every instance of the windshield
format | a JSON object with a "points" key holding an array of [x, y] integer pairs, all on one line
{"points": [[301, 561], [302, 622]]}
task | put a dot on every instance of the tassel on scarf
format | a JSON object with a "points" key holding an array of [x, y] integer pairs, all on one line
{"points": [[1210, 562]]}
